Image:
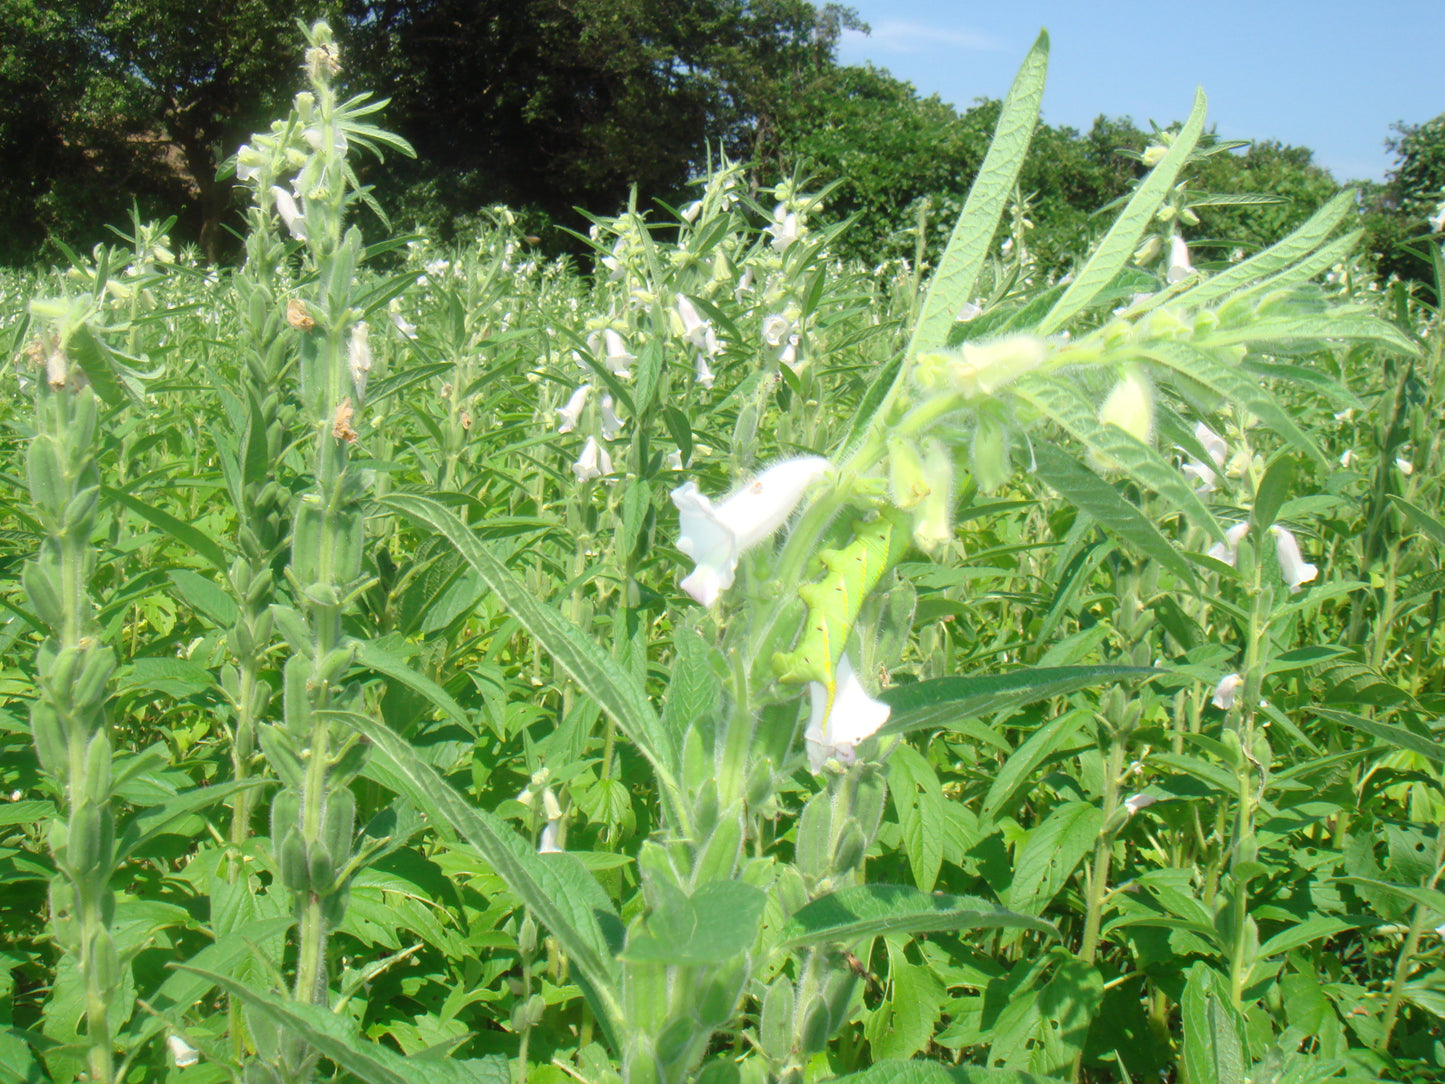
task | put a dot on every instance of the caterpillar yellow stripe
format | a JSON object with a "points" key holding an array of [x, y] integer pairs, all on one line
{"points": [[834, 601]]}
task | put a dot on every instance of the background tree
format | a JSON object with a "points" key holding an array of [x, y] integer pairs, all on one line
{"points": [[1396, 212]]}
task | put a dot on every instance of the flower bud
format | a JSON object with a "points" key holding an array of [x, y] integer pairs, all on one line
{"points": [[1130, 406]]}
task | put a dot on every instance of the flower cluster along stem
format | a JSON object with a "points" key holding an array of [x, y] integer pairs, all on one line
{"points": [[68, 718]]}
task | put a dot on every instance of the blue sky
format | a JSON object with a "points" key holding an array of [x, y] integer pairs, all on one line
{"points": [[1325, 75]]}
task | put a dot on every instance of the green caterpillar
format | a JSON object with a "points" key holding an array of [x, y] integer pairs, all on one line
{"points": [[834, 601]]}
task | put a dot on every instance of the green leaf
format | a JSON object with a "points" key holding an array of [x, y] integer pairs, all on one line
{"points": [[918, 797], [904, 1023], [1067, 407], [1051, 852], [1304, 933], [183, 988], [333, 1037], [371, 654], [1277, 257], [598, 676], [718, 923], [191, 538], [1092, 495], [153, 821], [205, 597], [933, 1072], [973, 234], [555, 887], [1041, 745], [868, 910], [1214, 1051], [945, 702], [1397, 736], [98, 362], [1428, 525], [1200, 367], [1118, 245]]}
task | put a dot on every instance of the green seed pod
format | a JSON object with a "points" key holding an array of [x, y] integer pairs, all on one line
{"points": [[280, 753], [45, 472], [43, 593], [321, 868], [705, 808], [51, 746], [848, 854], [105, 960], [296, 700], [98, 767], [349, 538], [815, 829], [293, 628], [331, 668], [285, 814], [79, 511], [338, 824], [92, 687], [933, 517], [718, 858], [816, 1026], [775, 1022], [908, 482], [291, 858], [307, 535], [88, 847], [989, 454]]}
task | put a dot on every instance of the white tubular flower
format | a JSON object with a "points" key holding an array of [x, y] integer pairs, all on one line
{"points": [[183, 1054], [611, 423], [744, 285], [548, 843], [618, 359], [674, 460], [573, 410], [839, 724], [694, 328], [776, 330], [1226, 691], [1404, 466], [1437, 220], [1295, 569], [789, 356], [290, 213], [716, 536], [594, 462], [691, 211], [705, 375], [970, 311], [785, 229], [615, 270], [248, 163], [1179, 266], [1136, 802], [1347, 458], [1203, 473], [358, 356], [404, 326], [1228, 550]]}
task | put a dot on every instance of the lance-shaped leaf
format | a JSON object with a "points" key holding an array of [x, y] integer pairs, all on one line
{"points": [[968, 247], [944, 702], [613, 689], [555, 887], [868, 910], [332, 1037], [1119, 243]]}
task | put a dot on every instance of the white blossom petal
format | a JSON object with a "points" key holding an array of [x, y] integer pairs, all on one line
{"points": [[839, 723], [1295, 569], [716, 536], [1228, 550], [1179, 266], [1226, 691], [183, 1054], [594, 462], [611, 423], [573, 410], [1136, 802], [290, 213]]}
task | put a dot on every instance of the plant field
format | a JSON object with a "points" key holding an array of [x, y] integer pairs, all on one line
{"points": [[728, 664]]}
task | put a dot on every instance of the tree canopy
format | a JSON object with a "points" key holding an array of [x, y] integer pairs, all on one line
{"points": [[551, 105]]}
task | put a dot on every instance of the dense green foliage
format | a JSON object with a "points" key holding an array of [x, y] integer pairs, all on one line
{"points": [[1071, 715], [549, 106]]}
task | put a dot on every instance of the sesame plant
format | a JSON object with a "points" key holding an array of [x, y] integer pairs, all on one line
{"points": [[727, 664]]}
